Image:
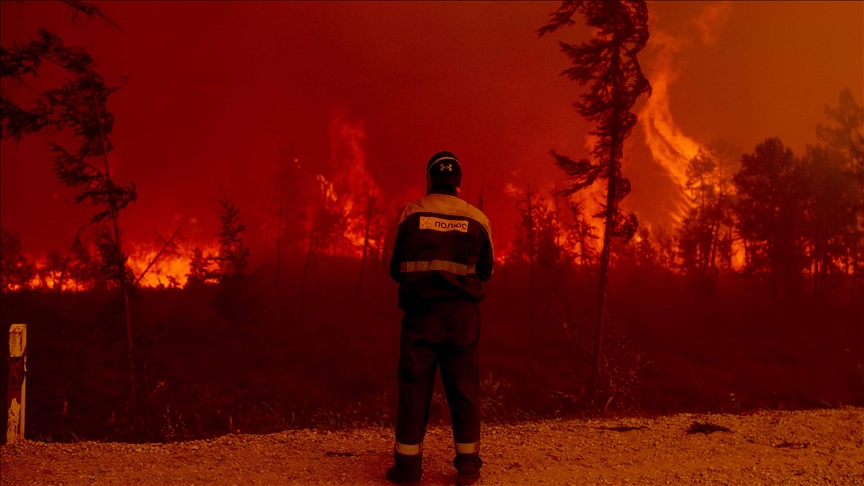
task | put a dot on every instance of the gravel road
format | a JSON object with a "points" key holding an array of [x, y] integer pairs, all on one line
{"points": [[766, 448]]}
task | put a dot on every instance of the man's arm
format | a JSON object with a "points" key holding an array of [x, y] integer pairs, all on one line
{"points": [[391, 254], [485, 265]]}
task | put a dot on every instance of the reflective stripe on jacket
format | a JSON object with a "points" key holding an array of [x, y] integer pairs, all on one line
{"points": [[439, 251]]}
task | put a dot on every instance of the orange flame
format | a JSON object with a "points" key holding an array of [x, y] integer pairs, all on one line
{"points": [[352, 186], [171, 269], [669, 146]]}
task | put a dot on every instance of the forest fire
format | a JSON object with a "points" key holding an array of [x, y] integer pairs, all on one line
{"points": [[348, 198], [79, 271], [195, 219]]}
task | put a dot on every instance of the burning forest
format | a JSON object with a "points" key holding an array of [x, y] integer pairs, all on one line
{"points": [[194, 220]]}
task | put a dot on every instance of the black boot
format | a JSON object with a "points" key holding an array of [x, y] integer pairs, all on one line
{"points": [[468, 468], [408, 469]]}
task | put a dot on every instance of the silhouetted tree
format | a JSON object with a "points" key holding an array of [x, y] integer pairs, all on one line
{"points": [[636, 260], [65, 270], [702, 241], [537, 243], [15, 270], [370, 217], [647, 257], [311, 260], [833, 204], [845, 131], [111, 264], [232, 271], [845, 134], [609, 63], [233, 257], [696, 235], [200, 269], [83, 269], [536, 233], [581, 235], [291, 184], [772, 193], [89, 10], [728, 158]]}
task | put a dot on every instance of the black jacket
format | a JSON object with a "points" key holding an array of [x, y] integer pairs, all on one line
{"points": [[439, 251]]}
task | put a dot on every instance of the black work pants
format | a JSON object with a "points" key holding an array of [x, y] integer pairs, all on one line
{"points": [[447, 338]]}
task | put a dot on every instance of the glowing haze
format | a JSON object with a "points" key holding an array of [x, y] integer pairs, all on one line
{"points": [[217, 88]]}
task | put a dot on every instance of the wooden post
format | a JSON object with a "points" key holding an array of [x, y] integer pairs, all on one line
{"points": [[17, 383]]}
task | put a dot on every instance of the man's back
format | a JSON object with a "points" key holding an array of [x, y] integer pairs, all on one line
{"points": [[441, 252]]}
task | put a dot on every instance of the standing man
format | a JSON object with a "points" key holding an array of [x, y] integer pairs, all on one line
{"points": [[440, 252]]}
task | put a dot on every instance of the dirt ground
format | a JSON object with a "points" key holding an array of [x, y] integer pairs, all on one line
{"points": [[765, 448]]}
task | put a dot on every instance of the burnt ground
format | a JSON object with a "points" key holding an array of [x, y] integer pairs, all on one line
{"points": [[767, 448]]}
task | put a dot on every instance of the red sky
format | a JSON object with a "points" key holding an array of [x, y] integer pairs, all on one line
{"points": [[216, 88]]}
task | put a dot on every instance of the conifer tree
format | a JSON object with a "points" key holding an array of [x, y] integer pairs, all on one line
{"points": [[232, 264], [834, 202], [199, 268], [844, 133], [702, 242], [581, 233], [79, 104], [609, 64], [770, 209]]}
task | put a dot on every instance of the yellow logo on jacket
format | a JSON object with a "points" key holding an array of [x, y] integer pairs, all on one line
{"points": [[438, 224]]}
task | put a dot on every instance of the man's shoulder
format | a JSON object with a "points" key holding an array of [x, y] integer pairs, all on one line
{"points": [[472, 212], [448, 205]]}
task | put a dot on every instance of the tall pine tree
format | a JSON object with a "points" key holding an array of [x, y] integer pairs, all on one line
{"points": [[608, 63]]}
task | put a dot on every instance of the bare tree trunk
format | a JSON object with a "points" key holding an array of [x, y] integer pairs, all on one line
{"points": [[365, 245], [814, 274], [121, 266], [530, 261], [585, 266], [607, 246], [557, 224], [310, 255], [604, 279], [279, 263], [715, 237], [75, 241]]}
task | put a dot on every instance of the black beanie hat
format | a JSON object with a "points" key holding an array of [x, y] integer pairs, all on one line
{"points": [[444, 168]]}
